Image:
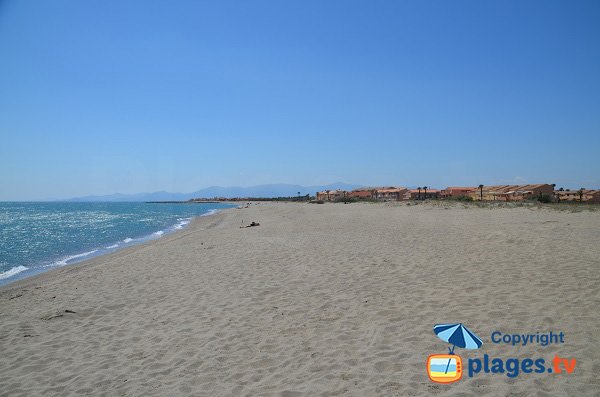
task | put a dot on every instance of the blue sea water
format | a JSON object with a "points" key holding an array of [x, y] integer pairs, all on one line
{"points": [[35, 237]]}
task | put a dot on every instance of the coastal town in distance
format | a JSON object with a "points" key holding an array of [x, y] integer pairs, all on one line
{"points": [[543, 192]]}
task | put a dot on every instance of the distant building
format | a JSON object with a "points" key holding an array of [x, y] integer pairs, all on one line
{"points": [[390, 193], [454, 191], [488, 193], [586, 195], [416, 194], [331, 195], [512, 192], [363, 194]]}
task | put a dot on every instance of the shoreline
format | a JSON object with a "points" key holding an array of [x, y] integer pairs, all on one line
{"points": [[137, 242]]}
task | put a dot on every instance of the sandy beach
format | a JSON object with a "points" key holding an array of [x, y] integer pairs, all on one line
{"points": [[318, 300]]}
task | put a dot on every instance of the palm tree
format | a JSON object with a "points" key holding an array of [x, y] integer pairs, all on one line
{"points": [[425, 194], [480, 192], [419, 195], [328, 198], [557, 195], [580, 192]]}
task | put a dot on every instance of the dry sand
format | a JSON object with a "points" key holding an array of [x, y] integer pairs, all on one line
{"points": [[319, 300]]}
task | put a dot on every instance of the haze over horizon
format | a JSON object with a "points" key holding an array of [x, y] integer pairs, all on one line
{"points": [[130, 97]]}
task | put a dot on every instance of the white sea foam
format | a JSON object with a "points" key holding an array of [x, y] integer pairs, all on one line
{"points": [[112, 246], [128, 240], [210, 212], [64, 261], [12, 272], [159, 233], [182, 223]]}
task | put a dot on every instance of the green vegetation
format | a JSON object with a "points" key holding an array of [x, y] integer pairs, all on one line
{"points": [[460, 198], [345, 200], [545, 198]]}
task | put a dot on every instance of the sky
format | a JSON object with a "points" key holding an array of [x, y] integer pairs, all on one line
{"points": [[99, 97]]}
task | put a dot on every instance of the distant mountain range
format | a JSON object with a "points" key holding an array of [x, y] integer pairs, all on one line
{"points": [[273, 190]]}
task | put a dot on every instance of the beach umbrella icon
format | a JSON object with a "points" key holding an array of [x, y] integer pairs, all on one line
{"points": [[458, 335]]}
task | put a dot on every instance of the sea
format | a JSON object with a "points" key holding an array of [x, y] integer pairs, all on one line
{"points": [[39, 236]]}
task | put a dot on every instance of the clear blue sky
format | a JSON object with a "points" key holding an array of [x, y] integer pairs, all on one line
{"points": [[99, 97]]}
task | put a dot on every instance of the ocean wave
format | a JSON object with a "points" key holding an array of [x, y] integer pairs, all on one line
{"points": [[182, 223], [12, 272], [128, 240], [210, 212], [112, 246], [159, 233], [64, 261]]}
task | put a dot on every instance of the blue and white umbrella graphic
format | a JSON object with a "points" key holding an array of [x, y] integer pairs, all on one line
{"points": [[458, 335]]}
